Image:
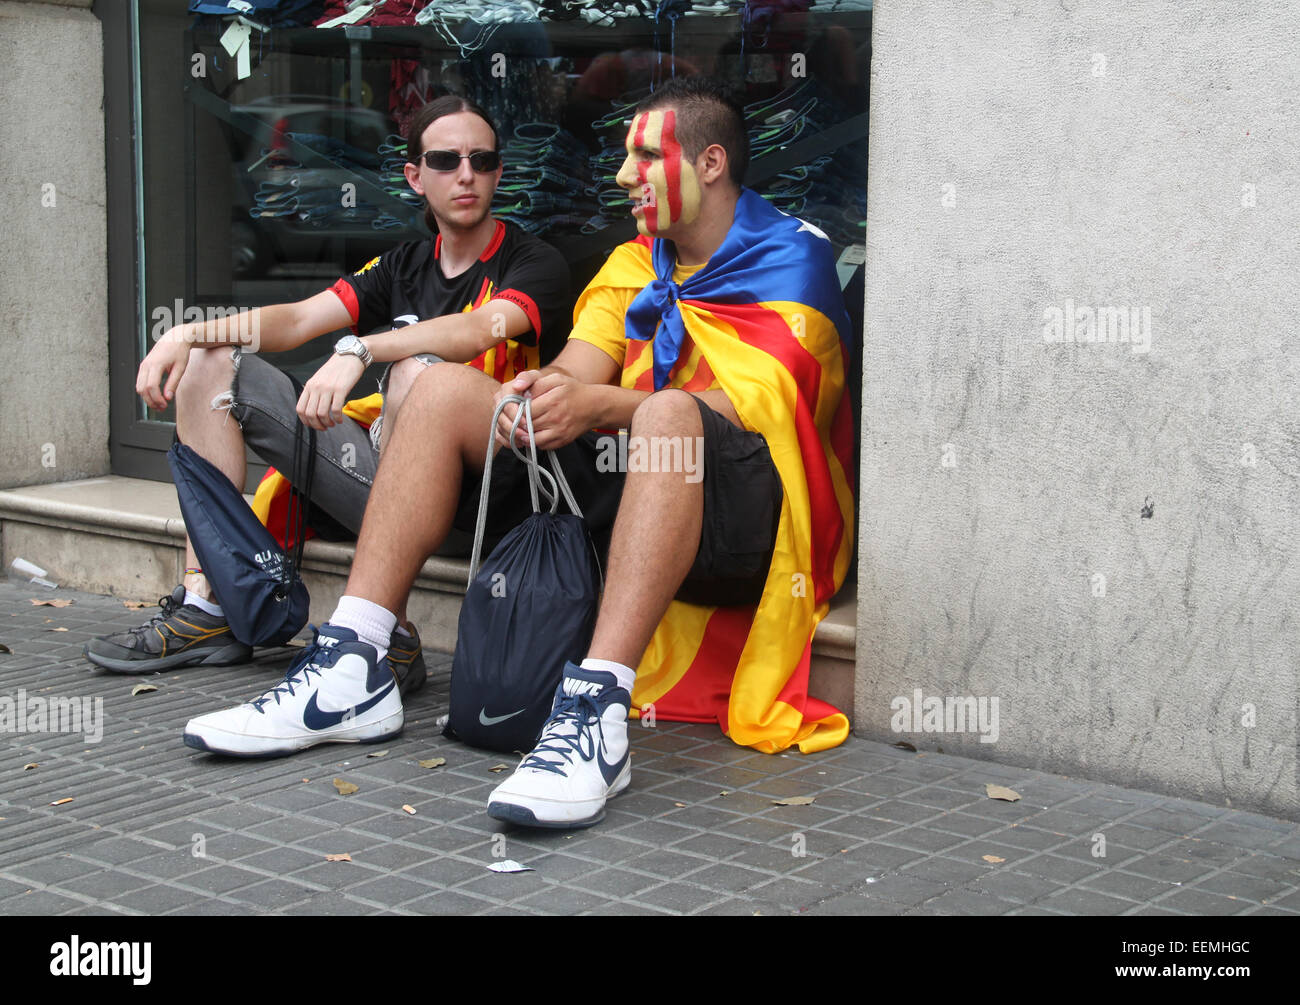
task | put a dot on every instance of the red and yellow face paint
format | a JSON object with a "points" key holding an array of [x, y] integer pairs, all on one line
{"points": [[667, 190]]}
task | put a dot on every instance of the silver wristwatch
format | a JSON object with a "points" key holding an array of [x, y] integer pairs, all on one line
{"points": [[350, 345]]}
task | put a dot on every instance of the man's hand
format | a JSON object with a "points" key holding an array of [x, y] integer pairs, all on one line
{"points": [[561, 409], [323, 397], [168, 358]]}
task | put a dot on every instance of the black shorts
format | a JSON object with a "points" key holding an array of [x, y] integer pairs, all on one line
{"points": [[742, 502]]}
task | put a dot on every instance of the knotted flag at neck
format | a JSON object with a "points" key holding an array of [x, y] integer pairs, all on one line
{"points": [[760, 259]]}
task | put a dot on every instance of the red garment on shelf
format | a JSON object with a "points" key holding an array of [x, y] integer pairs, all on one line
{"points": [[395, 12]]}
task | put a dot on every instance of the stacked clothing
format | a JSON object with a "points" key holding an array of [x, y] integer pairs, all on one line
{"points": [[542, 185], [319, 197]]}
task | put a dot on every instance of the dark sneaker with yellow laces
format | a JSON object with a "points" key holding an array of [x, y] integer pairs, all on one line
{"points": [[178, 636], [406, 660]]}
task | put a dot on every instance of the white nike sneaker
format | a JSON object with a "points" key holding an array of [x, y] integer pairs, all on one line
{"points": [[581, 759], [336, 691]]}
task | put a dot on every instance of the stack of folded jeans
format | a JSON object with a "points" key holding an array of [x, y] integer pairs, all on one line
{"points": [[828, 191], [392, 174], [542, 185], [323, 196]]}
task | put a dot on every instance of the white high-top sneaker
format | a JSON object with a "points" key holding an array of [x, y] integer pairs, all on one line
{"points": [[581, 759], [336, 691]]}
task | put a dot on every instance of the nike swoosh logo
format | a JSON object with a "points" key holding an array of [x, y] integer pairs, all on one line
{"points": [[610, 771], [315, 719], [492, 720]]}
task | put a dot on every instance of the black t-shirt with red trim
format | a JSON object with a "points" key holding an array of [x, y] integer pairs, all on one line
{"points": [[407, 285]]}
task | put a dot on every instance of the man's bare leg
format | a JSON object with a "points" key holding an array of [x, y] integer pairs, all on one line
{"points": [[209, 431], [401, 377], [443, 432], [655, 537]]}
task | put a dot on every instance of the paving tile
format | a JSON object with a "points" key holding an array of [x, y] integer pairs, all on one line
{"points": [[1085, 902], [1252, 888], [221, 879], [1192, 901], [680, 898], [618, 883], [564, 900], [961, 902], [104, 885], [855, 905], [1267, 866], [1169, 868], [1127, 886], [39, 902], [1015, 887]]}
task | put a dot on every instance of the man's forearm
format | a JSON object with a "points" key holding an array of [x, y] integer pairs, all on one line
{"points": [[456, 338], [271, 329]]}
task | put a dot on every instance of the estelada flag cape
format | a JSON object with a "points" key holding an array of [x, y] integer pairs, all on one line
{"points": [[271, 500], [767, 315]]}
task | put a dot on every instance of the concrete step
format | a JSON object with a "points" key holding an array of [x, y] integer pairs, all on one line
{"points": [[124, 537]]}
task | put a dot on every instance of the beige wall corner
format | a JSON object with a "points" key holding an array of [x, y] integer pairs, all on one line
{"points": [[1095, 528], [53, 285]]}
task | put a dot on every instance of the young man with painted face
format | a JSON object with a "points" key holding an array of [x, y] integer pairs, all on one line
{"points": [[714, 583], [482, 292]]}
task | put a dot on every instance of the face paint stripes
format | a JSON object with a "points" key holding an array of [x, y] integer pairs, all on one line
{"points": [[672, 151]]}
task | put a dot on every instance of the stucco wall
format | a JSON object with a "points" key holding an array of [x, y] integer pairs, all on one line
{"points": [[1031, 156], [53, 280]]}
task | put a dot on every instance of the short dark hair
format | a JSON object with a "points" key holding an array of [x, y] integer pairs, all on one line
{"points": [[710, 114], [448, 104]]}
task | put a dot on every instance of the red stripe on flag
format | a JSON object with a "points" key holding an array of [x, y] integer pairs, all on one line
{"points": [[767, 330], [704, 692]]}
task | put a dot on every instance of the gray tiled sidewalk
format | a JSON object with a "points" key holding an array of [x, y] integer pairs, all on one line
{"points": [[154, 827]]}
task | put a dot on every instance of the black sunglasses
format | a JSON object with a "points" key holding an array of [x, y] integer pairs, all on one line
{"points": [[482, 161]]}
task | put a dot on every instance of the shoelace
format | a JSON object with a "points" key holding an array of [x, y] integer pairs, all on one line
{"points": [[169, 608], [312, 660], [583, 712]]}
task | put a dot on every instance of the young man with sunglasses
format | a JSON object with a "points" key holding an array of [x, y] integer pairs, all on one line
{"points": [[720, 331], [481, 292]]}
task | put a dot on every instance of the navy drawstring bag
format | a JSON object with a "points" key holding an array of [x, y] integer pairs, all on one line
{"points": [[527, 610], [256, 582]]}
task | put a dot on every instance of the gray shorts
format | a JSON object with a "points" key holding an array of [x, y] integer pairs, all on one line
{"points": [[264, 402]]}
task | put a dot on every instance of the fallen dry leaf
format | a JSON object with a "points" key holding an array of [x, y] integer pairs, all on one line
{"points": [[409, 809], [4, 648], [135, 605], [679, 804], [56, 629], [1000, 792], [378, 753], [499, 767], [29, 766], [345, 857], [994, 859], [904, 745], [60, 802], [433, 762], [50, 603], [510, 865], [793, 801], [345, 788], [141, 689]]}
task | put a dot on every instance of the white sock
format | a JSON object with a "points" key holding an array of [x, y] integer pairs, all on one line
{"points": [[402, 631], [206, 606], [372, 623], [625, 675]]}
